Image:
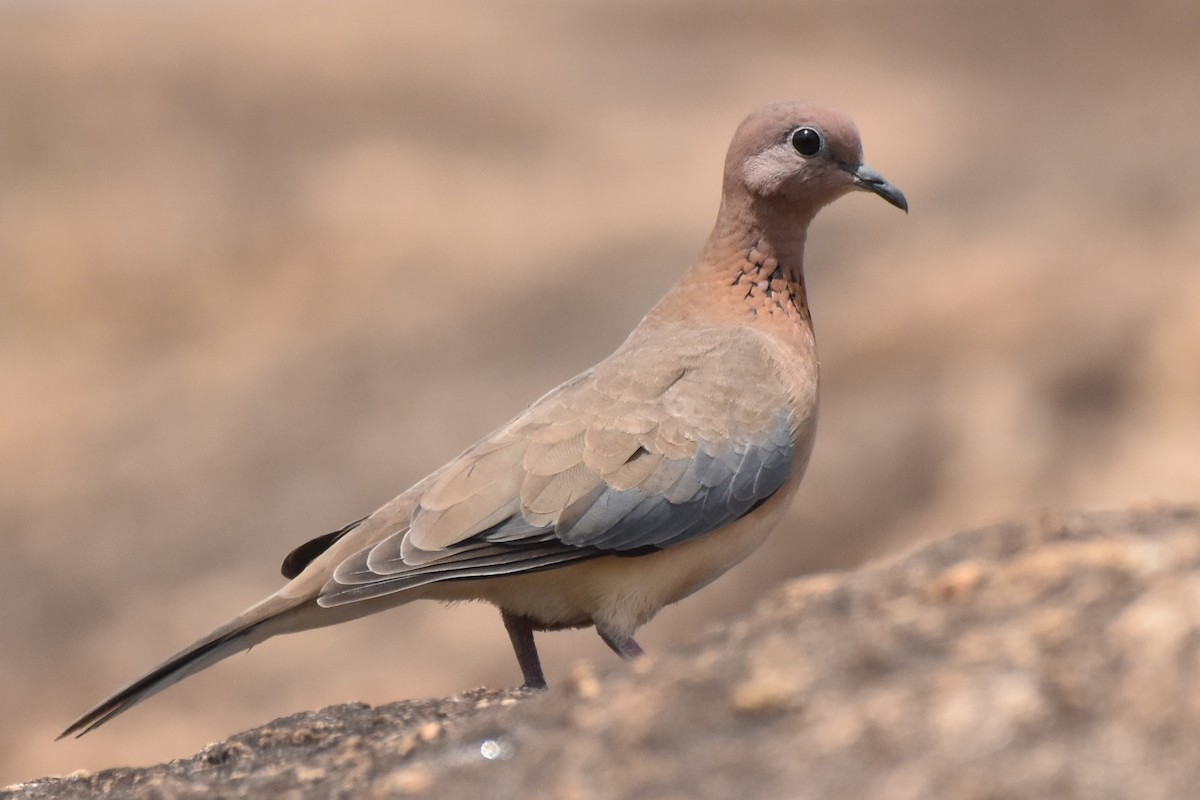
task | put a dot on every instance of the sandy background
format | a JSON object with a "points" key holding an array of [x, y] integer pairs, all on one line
{"points": [[264, 265]]}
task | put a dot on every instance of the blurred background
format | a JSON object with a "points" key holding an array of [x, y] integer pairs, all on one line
{"points": [[263, 265]]}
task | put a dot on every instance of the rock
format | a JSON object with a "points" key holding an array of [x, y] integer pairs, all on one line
{"points": [[1053, 658]]}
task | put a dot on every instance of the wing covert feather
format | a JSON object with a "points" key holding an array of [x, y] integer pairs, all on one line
{"points": [[658, 444]]}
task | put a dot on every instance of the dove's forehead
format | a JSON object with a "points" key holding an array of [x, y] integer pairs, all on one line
{"points": [[771, 124]]}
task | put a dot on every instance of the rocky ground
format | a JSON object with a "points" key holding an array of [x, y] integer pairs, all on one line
{"points": [[1057, 657]]}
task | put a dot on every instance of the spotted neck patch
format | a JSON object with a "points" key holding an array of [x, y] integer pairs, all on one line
{"points": [[767, 287]]}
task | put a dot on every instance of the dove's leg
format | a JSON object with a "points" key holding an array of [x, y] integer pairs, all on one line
{"points": [[624, 646], [520, 633]]}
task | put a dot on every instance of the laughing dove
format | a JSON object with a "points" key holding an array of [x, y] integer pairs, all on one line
{"points": [[629, 486]]}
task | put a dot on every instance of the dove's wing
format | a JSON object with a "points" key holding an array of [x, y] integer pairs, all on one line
{"points": [[666, 440]]}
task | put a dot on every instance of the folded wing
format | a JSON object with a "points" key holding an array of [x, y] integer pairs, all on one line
{"points": [[654, 446]]}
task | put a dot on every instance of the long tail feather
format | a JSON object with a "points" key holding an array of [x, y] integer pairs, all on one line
{"points": [[241, 633]]}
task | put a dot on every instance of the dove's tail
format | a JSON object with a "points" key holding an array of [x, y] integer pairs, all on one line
{"points": [[256, 624]]}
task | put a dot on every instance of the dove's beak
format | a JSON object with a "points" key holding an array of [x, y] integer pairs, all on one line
{"points": [[869, 180]]}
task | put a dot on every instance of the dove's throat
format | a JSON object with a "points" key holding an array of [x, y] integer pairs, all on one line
{"points": [[750, 272]]}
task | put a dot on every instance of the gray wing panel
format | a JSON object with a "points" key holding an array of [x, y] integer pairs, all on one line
{"points": [[722, 489]]}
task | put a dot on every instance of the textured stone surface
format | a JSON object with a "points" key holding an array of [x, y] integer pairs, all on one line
{"points": [[1058, 658]]}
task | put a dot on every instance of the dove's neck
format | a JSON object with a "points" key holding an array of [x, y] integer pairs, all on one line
{"points": [[751, 272]]}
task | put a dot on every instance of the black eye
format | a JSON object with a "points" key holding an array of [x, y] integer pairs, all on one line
{"points": [[807, 141]]}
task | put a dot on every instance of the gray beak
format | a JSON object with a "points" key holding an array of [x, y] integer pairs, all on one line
{"points": [[870, 180]]}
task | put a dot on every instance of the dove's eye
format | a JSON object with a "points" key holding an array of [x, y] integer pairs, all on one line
{"points": [[807, 141]]}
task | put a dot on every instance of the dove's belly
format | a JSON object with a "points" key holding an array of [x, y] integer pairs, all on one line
{"points": [[620, 594]]}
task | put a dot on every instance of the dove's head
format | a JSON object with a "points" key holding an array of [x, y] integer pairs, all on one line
{"points": [[794, 158]]}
